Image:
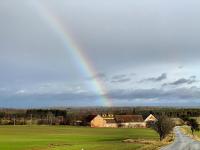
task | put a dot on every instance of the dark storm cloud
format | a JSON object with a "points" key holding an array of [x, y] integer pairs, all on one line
{"points": [[118, 95], [179, 93], [162, 77]]}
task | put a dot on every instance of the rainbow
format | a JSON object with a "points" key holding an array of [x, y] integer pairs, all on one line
{"points": [[83, 63]]}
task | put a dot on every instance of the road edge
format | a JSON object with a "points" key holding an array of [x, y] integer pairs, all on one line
{"points": [[186, 130], [160, 144]]}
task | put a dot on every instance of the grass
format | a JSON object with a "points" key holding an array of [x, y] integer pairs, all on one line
{"points": [[156, 145], [187, 131], [71, 138]]}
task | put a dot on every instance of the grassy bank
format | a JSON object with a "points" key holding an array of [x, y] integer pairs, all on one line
{"points": [[71, 138], [156, 145], [187, 130]]}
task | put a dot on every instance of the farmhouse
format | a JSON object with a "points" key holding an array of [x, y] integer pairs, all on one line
{"points": [[95, 121], [110, 121], [130, 121], [123, 121], [101, 121]]}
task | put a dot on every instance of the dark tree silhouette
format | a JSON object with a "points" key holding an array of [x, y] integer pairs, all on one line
{"points": [[194, 125]]}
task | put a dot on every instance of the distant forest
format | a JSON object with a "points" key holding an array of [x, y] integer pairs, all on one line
{"points": [[76, 116]]}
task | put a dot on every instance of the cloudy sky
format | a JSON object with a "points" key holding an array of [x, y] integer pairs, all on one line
{"points": [[144, 52]]}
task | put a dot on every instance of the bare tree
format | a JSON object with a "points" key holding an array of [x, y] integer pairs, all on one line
{"points": [[50, 117], [14, 120], [163, 126]]}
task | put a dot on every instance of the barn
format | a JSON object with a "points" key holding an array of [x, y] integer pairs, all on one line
{"points": [[123, 121], [130, 121]]}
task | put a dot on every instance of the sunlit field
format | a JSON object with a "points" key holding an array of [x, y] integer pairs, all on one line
{"points": [[70, 138]]}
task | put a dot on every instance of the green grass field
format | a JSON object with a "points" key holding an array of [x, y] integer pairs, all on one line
{"points": [[70, 138]]}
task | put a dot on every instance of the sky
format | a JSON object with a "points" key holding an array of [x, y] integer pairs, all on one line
{"points": [[143, 53]]}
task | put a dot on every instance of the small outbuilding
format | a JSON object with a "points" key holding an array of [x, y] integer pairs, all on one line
{"points": [[150, 120]]}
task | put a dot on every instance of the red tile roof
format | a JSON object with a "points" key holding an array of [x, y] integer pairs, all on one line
{"points": [[128, 118]]}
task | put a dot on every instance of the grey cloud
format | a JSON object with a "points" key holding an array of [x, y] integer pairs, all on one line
{"points": [[116, 77], [173, 94], [115, 36], [48, 100], [101, 75], [162, 77], [145, 37], [177, 95], [180, 67], [120, 78], [133, 74], [98, 75], [182, 81], [149, 32]]}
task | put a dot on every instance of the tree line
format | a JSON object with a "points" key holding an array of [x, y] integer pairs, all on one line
{"points": [[76, 116]]}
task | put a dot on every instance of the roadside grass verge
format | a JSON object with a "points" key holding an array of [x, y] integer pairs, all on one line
{"points": [[158, 144], [186, 130], [154, 144]]}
